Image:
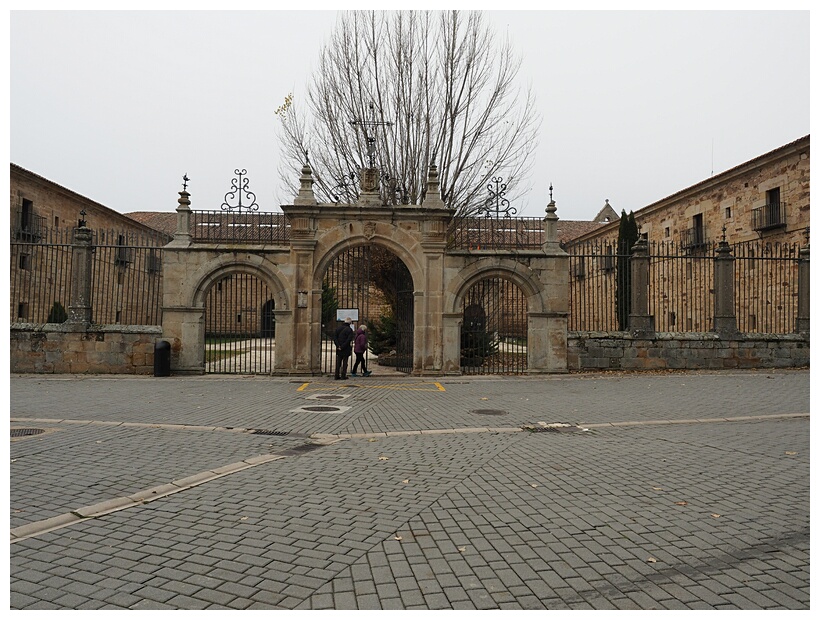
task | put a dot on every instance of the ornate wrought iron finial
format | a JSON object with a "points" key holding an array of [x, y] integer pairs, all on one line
{"points": [[370, 140], [723, 231], [496, 205], [808, 237], [238, 187], [185, 180], [550, 191], [81, 222]]}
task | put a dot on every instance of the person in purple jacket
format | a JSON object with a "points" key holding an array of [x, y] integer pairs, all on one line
{"points": [[360, 348]]}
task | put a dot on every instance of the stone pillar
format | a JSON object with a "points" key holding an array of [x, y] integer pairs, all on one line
{"points": [[306, 196], [369, 182], [725, 320], [551, 245], [79, 308], [183, 233], [641, 323], [802, 323]]}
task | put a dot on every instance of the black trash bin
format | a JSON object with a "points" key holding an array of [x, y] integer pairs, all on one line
{"points": [[162, 359]]}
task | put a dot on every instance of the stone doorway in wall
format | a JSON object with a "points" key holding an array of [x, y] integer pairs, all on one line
{"points": [[494, 328], [372, 282], [239, 326]]}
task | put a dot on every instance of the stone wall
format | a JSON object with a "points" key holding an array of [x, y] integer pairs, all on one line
{"points": [[622, 351], [98, 349]]}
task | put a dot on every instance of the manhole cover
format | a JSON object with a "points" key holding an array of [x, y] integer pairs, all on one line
{"points": [[26, 432], [489, 412], [320, 408]]}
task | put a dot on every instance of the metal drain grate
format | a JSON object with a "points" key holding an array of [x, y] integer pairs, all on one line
{"points": [[556, 428], [489, 412], [320, 408], [260, 431], [26, 432], [328, 397]]}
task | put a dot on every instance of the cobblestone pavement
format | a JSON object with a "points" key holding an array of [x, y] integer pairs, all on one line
{"points": [[685, 491]]}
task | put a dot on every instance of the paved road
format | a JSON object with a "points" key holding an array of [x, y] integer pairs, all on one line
{"points": [[663, 491]]}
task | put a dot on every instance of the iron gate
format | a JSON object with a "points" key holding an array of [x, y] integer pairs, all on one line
{"points": [[239, 326], [376, 282], [494, 328]]}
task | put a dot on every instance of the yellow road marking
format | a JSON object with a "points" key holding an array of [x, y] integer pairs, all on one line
{"points": [[419, 387]]}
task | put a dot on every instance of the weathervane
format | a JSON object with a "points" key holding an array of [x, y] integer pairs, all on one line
{"points": [[240, 186], [369, 139], [185, 180]]}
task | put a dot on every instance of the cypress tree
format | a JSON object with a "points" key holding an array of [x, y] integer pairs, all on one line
{"points": [[627, 237]]}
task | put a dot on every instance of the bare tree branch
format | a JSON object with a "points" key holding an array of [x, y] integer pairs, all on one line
{"points": [[434, 83]]}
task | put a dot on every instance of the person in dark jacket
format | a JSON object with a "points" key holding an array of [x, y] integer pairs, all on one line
{"points": [[343, 339], [360, 348]]}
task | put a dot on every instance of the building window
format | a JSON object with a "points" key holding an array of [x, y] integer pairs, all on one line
{"points": [[695, 237], [56, 222], [772, 214], [22, 310], [727, 212], [25, 261], [672, 318], [667, 232], [119, 316]]}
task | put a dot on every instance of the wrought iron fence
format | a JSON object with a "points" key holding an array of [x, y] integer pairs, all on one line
{"points": [[486, 233], [766, 286], [681, 286], [593, 286], [40, 279], [126, 277], [240, 227]]}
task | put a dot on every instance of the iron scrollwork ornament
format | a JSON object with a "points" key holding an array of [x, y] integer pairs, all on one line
{"points": [[239, 186], [496, 204]]}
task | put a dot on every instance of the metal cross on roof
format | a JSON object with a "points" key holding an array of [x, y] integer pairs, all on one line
{"points": [[370, 139], [185, 180]]}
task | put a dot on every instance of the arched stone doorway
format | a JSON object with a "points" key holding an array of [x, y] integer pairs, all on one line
{"points": [[494, 328], [239, 325], [371, 284]]}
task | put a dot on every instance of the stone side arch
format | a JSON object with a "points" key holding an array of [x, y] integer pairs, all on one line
{"points": [[546, 330], [519, 274], [188, 279], [207, 274]]}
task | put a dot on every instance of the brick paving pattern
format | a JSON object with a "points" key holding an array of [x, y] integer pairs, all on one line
{"points": [[667, 512]]}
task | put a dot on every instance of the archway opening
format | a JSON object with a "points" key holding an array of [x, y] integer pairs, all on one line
{"points": [[373, 286], [494, 328], [239, 326]]}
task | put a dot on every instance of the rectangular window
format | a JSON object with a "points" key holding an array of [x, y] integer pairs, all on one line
{"points": [[697, 229], [727, 212], [25, 261], [666, 232], [22, 310], [119, 316]]}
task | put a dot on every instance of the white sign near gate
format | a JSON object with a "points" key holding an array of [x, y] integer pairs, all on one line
{"points": [[343, 313]]}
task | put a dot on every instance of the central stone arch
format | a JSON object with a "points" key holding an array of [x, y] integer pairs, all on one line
{"points": [[369, 278]]}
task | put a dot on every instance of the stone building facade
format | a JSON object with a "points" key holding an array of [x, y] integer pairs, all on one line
{"points": [[43, 216], [764, 198]]}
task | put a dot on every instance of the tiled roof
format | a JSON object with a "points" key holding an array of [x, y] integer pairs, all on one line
{"points": [[158, 220]]}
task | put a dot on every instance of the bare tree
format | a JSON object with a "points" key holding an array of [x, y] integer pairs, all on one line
{"points": [[402, 89]]}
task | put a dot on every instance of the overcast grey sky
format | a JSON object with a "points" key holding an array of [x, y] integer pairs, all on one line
{"points": [[117, 106]]}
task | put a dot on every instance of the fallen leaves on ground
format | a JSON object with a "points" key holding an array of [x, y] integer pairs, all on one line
{"points": [[462, 549], [657, 488], [384, 458], [681, 503], [714, 515], [650, 559], [406, 481], [790, 453], [397, 537]]}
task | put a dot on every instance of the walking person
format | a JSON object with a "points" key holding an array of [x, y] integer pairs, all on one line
{"points": [[360, 349], [343, 339]]}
